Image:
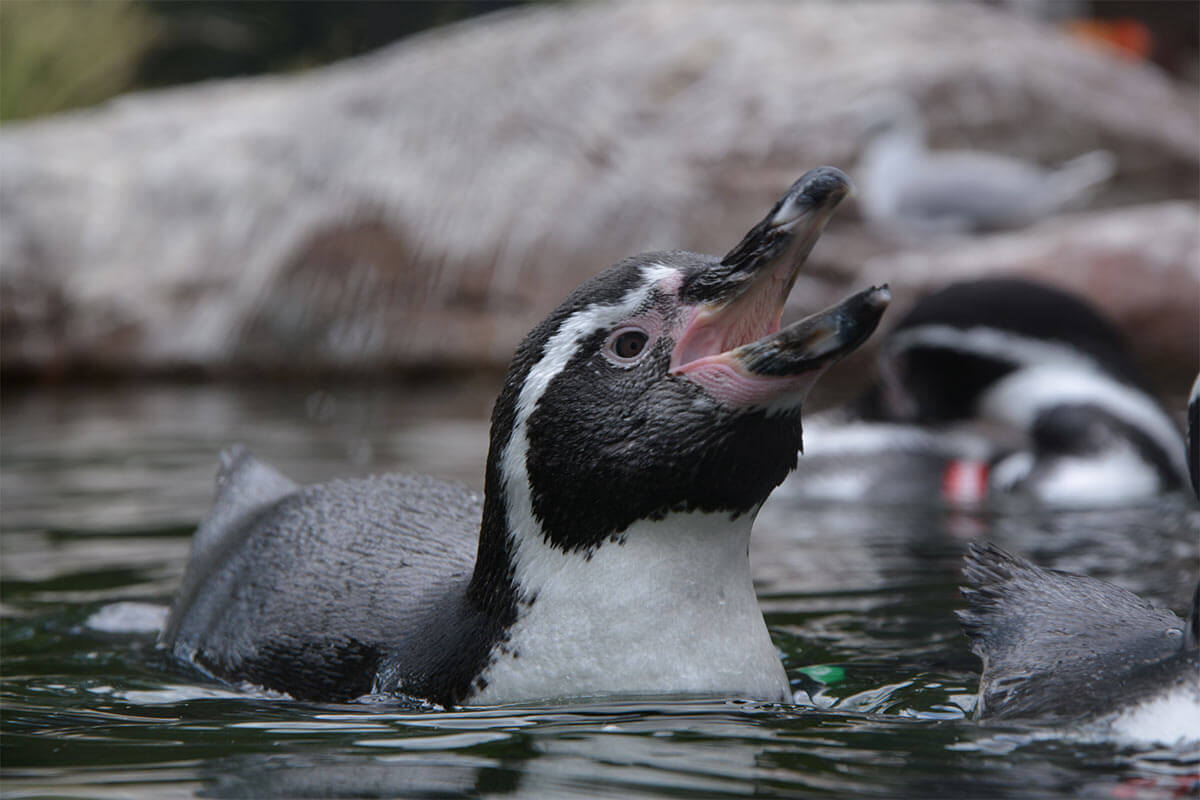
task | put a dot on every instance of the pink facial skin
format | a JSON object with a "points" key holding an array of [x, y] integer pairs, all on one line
{"points": [[703, 356], [724, 379], [650, 323], [707, 337]]}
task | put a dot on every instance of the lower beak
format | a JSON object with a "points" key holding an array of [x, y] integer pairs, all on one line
{"points": [[817, 341], [778, 370]]}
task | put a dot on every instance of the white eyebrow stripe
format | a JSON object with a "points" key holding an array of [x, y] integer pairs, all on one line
{"points": [[561, 347]]}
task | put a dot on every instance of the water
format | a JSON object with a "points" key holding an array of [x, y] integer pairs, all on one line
{"points": [[101, 490]]}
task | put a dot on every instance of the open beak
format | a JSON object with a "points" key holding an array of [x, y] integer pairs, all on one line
{"points": [[733, 345]]}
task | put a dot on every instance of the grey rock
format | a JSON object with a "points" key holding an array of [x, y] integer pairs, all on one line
{"points": [[422, 206]]}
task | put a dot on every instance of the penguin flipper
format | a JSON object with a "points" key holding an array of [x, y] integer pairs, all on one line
{"points": [[1053, 642], [245, 486]]}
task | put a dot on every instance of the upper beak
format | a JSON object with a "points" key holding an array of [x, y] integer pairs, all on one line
{"points": [[732, 345], [783, 239], [741, 298]]}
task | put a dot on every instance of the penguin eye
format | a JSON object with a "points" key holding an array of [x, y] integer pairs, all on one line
{"points": [[629, 344]]}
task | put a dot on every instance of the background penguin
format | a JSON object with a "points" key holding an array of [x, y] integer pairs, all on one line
{"points": [[911, 190], [1067, 647], [998, 387], [640, 427], [1064, 647]]}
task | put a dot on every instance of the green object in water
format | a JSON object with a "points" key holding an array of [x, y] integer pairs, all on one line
{"points": [[824, 673]]}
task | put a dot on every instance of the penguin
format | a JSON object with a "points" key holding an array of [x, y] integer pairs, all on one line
{"points": [[639, 429], [1070, 648], [1073, 649], [912, 191], [994, 389]]}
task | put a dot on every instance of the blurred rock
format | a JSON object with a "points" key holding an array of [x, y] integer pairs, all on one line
{"points": [[423, 206]]}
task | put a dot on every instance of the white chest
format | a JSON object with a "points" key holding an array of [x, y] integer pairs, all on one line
{"points": [[669, 610]]}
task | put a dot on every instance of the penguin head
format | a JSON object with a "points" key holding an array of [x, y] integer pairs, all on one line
{"points": [[665, 384], [944, 356], [887, 115], [1040, 368]]}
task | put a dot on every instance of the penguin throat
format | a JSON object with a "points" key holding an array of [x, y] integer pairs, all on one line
{"points": [[633, 617]]}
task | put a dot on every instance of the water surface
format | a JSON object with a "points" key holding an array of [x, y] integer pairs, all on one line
{"points": [[103, 486]]}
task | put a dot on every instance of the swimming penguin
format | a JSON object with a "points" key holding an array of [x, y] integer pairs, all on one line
{"points": [[910, 190], [1064, 647], [992, 388], [1067, 647], [640, 427]]}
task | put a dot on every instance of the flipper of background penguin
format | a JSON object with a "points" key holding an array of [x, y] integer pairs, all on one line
{"points": [[1192, 634], [1057, 645], [1193, 457]]}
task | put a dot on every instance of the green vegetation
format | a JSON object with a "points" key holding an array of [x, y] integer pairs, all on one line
{"points": [[60, 54]]}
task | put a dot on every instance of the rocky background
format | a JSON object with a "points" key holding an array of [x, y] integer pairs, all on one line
{"points": [[419, 208]]}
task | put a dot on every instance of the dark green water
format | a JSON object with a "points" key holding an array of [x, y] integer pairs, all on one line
{"points": [[101, 490]]}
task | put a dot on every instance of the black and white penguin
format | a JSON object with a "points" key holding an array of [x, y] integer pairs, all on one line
{"points": [[912, 191], [998, 387], [640, 427], [1071, 648]]}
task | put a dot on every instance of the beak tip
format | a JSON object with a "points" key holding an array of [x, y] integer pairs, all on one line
{"points": [[825, 185], [880, 297], [814, 196]]}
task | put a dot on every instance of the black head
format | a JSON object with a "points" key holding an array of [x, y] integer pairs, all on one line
{"points": [[664, 384]]}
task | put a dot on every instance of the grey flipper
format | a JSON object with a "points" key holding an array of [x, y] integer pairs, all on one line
{"points": [[313, 590], [245, 486], [1058, 645], [1193, 458]]}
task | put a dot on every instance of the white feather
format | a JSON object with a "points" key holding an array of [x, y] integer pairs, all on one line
{"points": [[1019, 398], [1170, 719], [671, 609]]}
